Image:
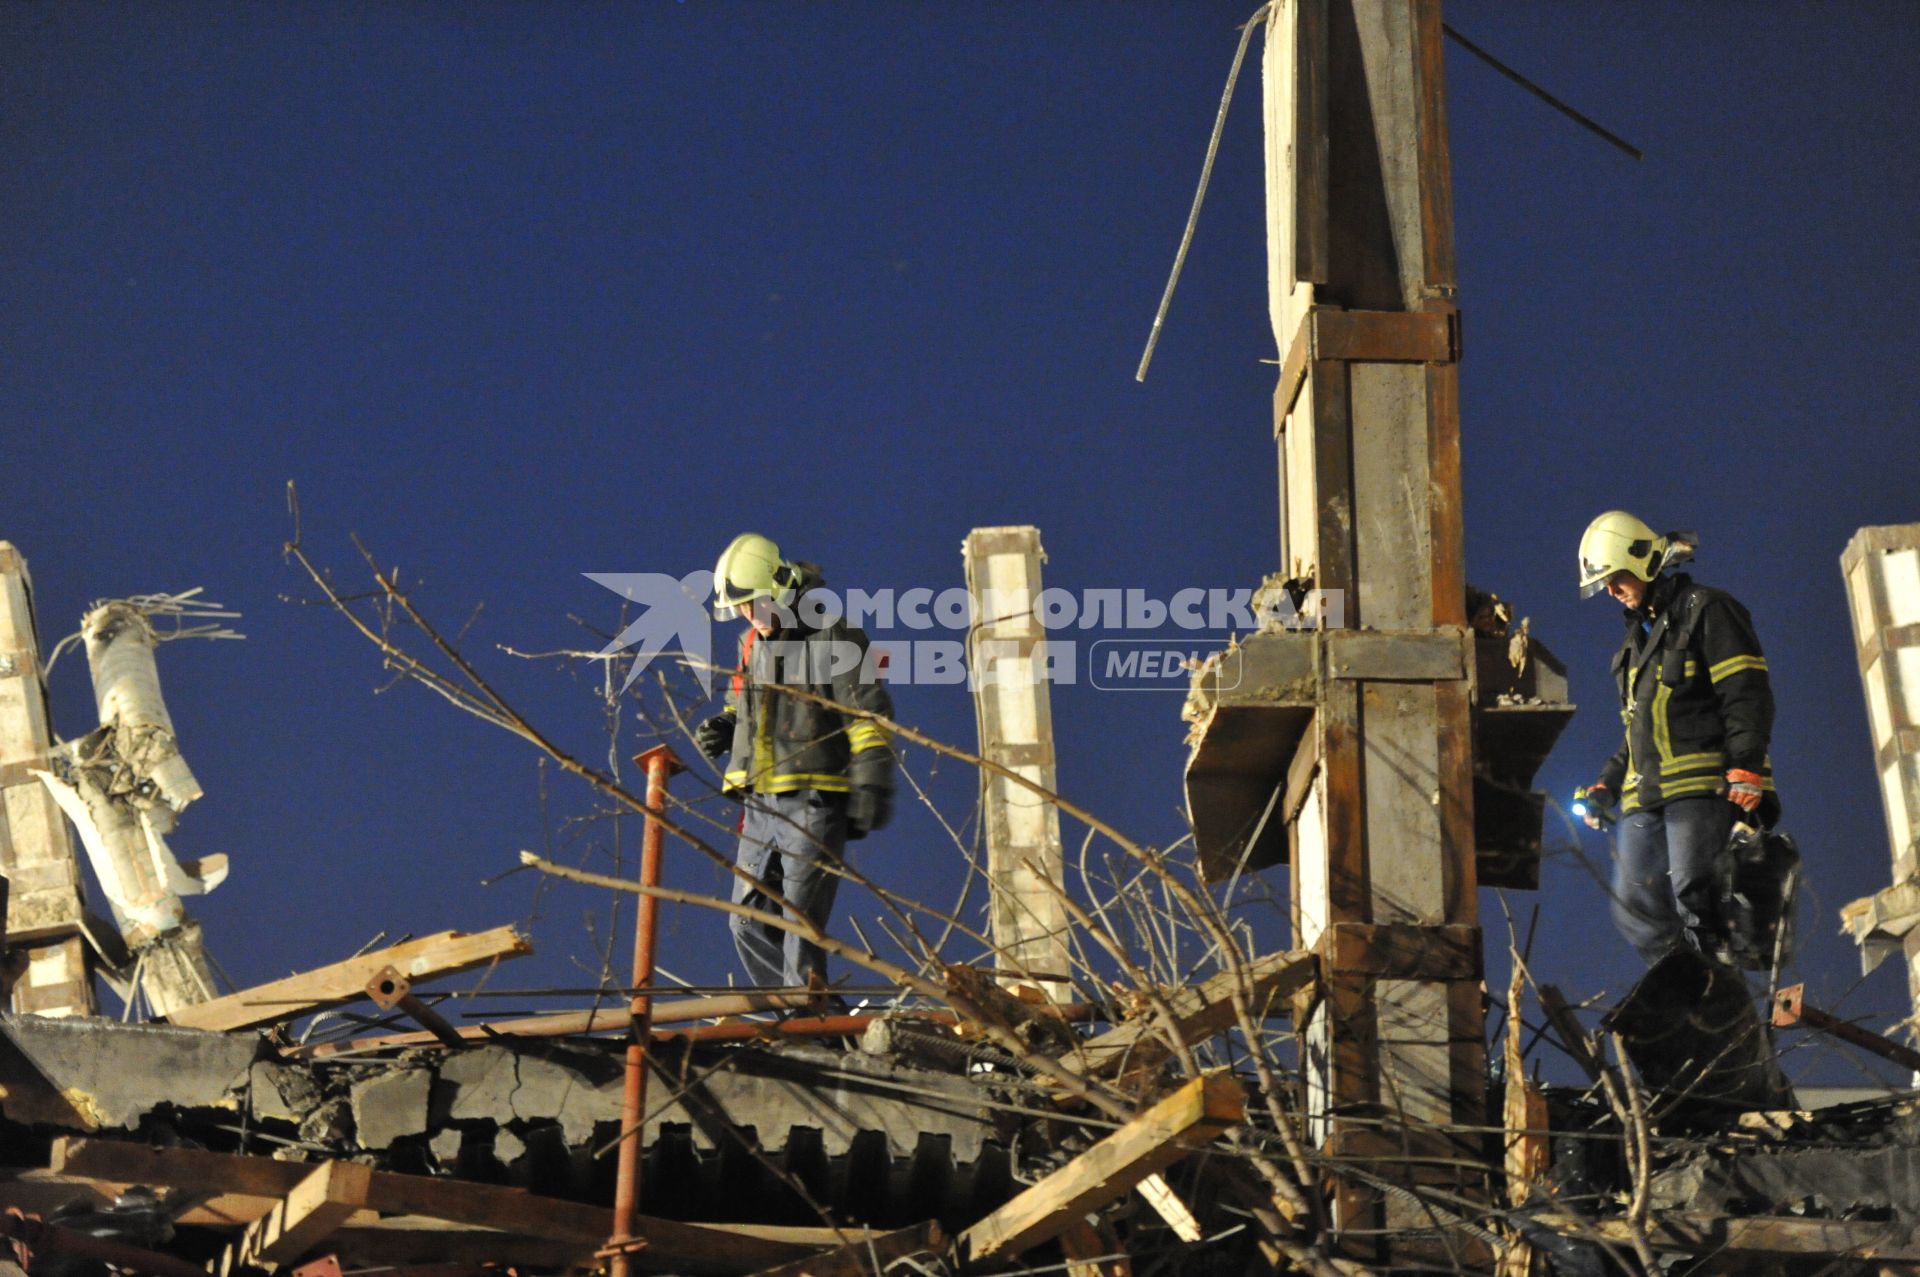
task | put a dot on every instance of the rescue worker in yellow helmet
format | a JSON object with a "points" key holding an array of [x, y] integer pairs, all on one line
{"points": [[811, 777], [1698, 709]]}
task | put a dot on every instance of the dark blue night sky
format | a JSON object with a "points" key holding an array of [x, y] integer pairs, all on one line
{"points": [[517, 292]]}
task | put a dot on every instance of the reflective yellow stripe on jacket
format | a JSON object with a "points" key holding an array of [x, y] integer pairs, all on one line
{"points": [[1734, 665], [864, 735]]}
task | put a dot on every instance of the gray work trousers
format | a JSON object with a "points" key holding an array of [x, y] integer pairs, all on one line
{"points": [[786, 842], [1663, 872]]}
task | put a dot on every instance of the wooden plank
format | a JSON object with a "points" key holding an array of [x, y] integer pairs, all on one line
{"points": [[1093, 1250], [325, 1198], [605, 1019], [1363, 336], [1402, 951], [39, 1193], [1528, 1153], [1381, 336], [1554, 1006], [1528, 1148], [448, 953], [1332, 483], [411, 1239], [44, 1191], [487, 1206], [1150, 1143], [1436, 164], [866, 1255], [1447, 537], [1300, 773], [694, 1248], [1459, 854], [1157, 1193], [193, 1169], [1410, 656], [720, 1249], [1310, 203], [1200, 1012], [1293, 373]]}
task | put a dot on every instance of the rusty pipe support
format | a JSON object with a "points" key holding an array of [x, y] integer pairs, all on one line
{"points": [[660, 763], [392, 991], [1790, 1009]]}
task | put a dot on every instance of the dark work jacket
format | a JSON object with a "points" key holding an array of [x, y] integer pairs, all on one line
{"points": [[783, 743], [1694, 696]]}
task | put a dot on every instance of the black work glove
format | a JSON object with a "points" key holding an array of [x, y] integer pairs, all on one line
{"points": [[867, 810], [715, 736], [870, 804], [1602, 806]]}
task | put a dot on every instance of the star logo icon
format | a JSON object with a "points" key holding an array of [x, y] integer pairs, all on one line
{"points": [[673, 621]]}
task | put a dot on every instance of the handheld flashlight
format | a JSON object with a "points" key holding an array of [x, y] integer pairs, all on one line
{"points": [[1587, 806]]}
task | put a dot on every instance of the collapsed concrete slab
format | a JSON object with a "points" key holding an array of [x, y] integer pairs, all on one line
{"points": [[850, 1124], [90, 1074]]}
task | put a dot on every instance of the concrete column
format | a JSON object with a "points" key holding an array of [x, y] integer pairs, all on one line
{"points": [[1007, 664], [47, 959]]}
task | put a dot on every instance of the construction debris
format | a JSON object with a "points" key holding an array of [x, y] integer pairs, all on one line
{"points": [[448, 953], [1082, 1099]]}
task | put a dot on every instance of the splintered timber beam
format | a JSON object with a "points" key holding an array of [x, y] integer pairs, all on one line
{"points": [[865, 1255], [1092, 1250], [325, 1198], [1200, 1012], [448, 953], [512, 1212], [1147, 1145], [409, 1240], [570, 1023], [1553, 1004]]}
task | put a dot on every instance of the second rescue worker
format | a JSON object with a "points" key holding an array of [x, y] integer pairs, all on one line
{"points": [[810, 776], [1698, 709]]}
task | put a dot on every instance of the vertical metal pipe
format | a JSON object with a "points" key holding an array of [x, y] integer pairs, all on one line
{"points": [[660, 763]]}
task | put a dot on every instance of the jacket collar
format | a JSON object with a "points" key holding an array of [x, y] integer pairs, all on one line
{"points": [[1659, 596]]}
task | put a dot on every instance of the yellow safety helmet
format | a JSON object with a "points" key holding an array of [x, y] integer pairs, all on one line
{"points": [[751, 568], [1618, 542]]}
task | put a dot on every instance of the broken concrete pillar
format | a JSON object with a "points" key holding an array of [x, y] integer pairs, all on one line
{"points": [[122, 787], [1882, 571], [45, 905], [121, 642], [1007, 659]]}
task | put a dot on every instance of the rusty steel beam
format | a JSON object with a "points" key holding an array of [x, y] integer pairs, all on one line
{"points": [[1790, 1010], [822, 1026]]}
